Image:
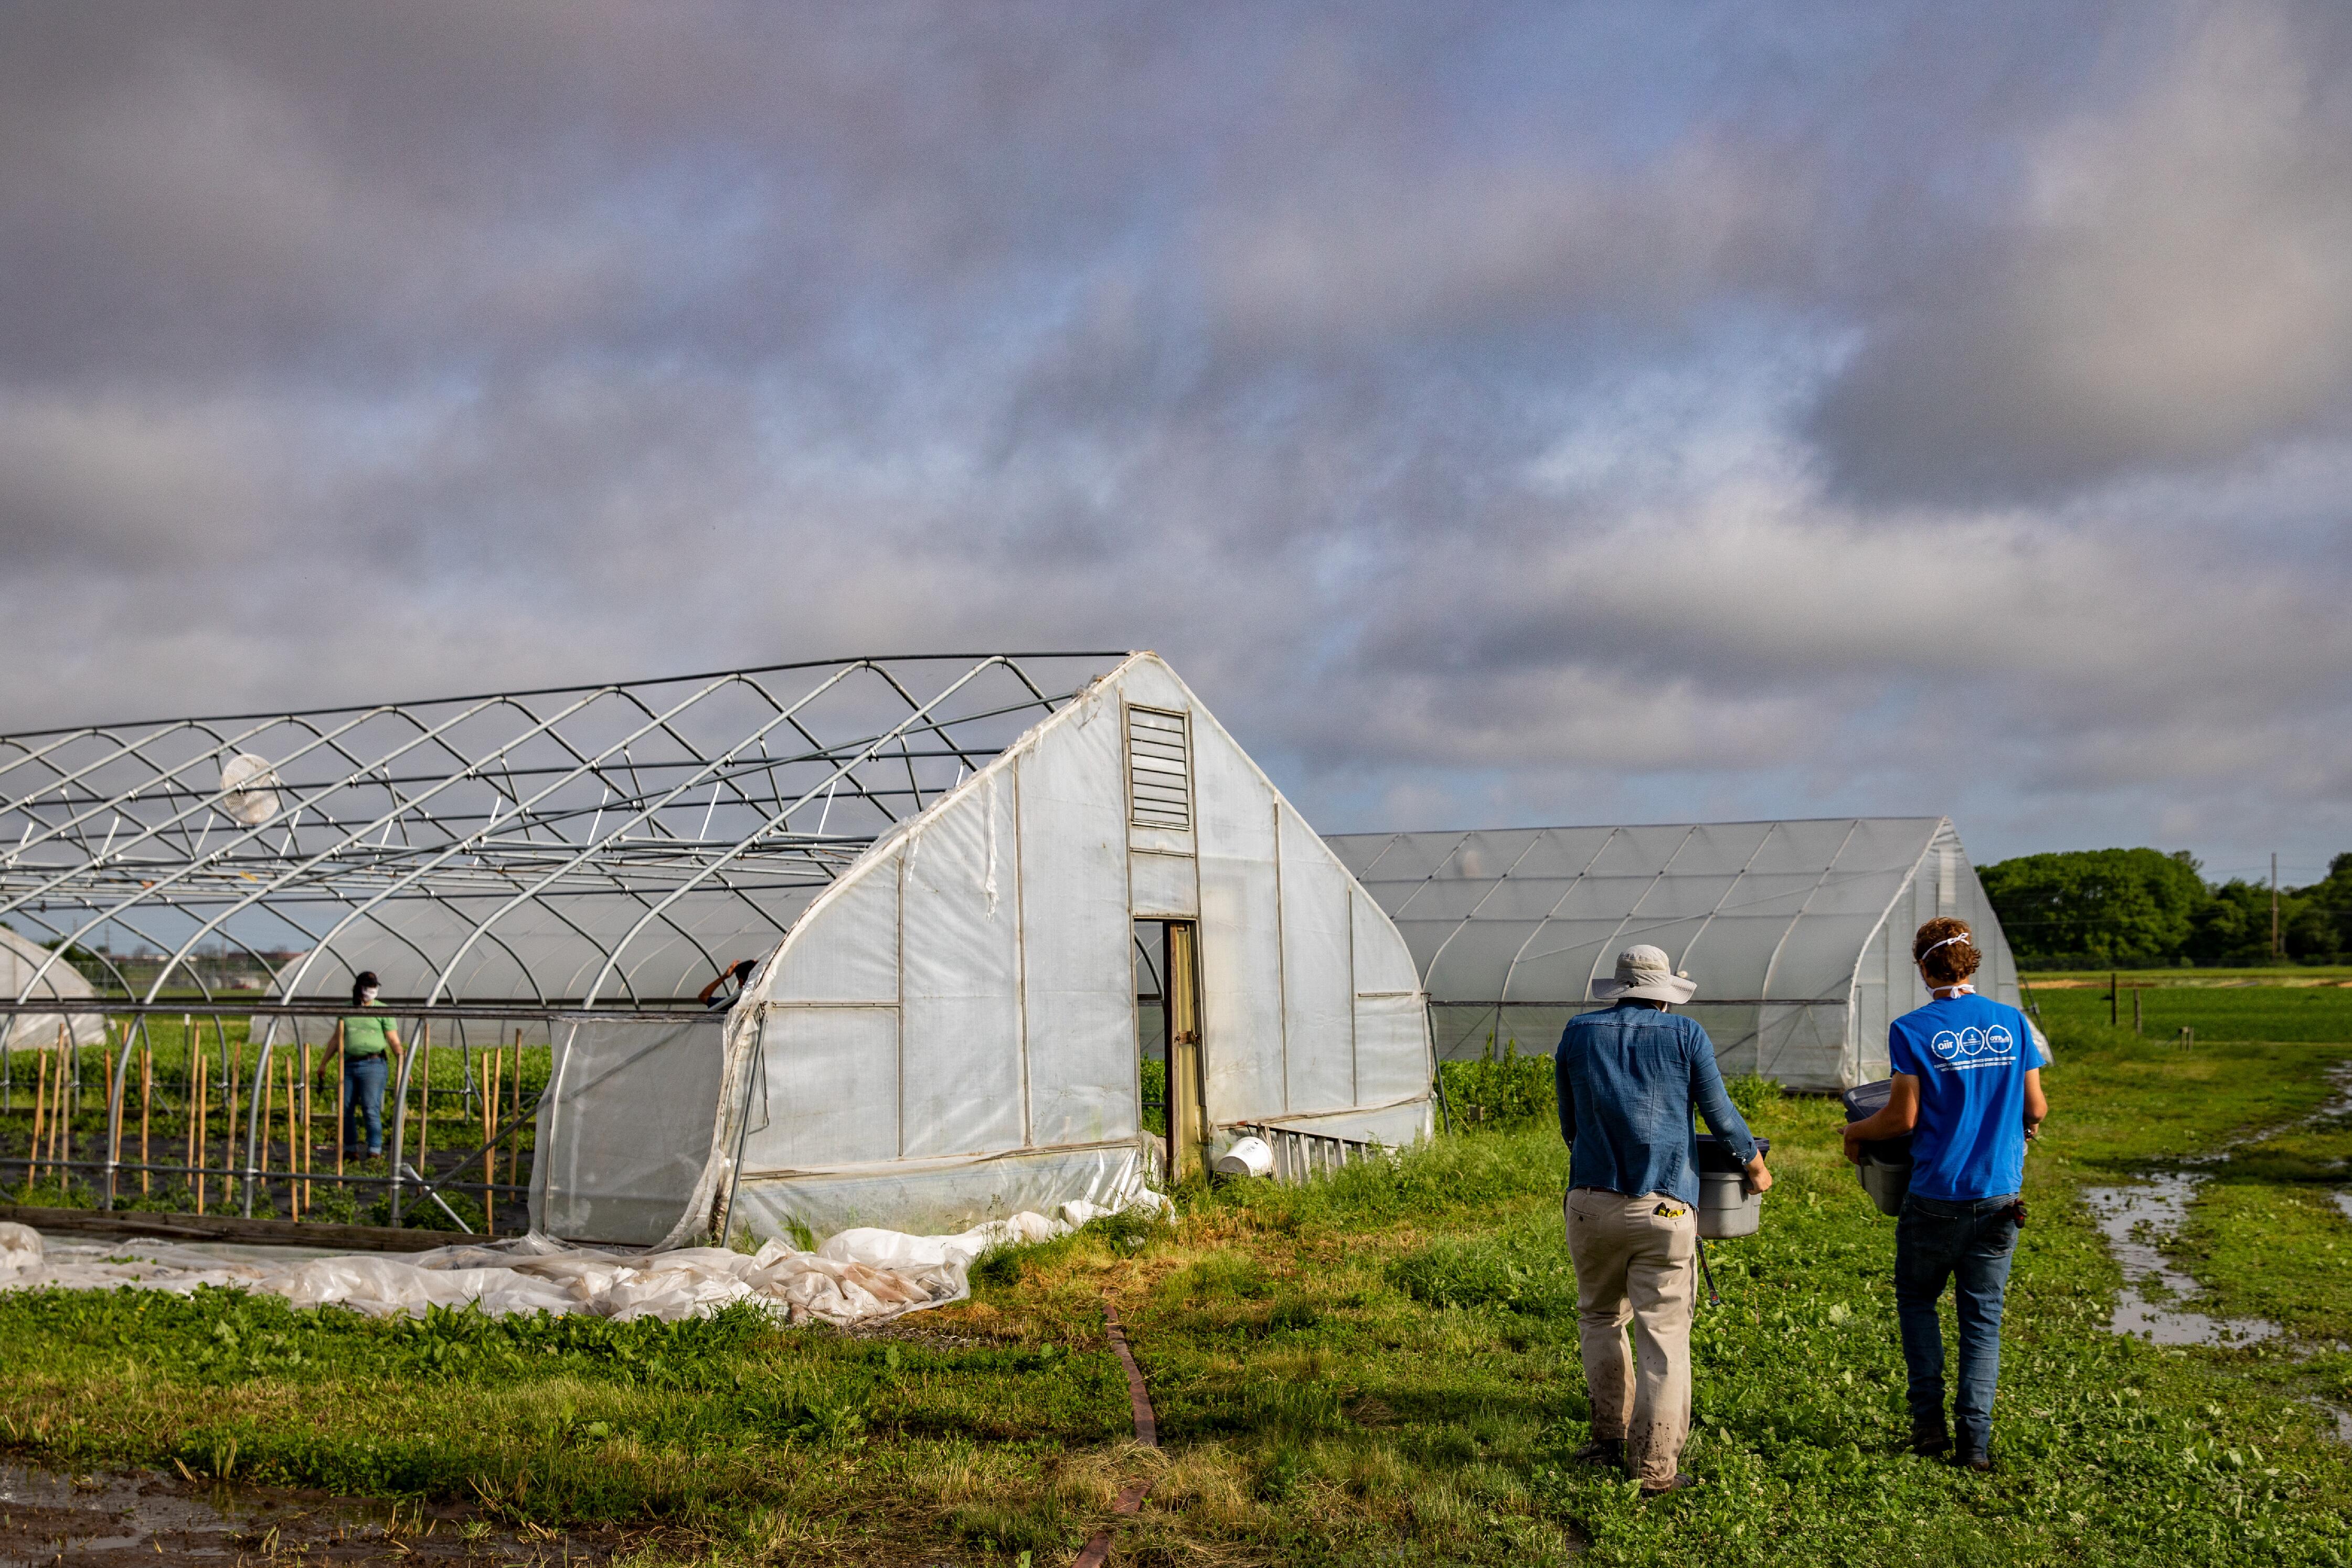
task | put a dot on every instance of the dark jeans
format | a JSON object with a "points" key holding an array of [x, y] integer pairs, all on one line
{"points": [[1970, 1244], [363, 1079]]}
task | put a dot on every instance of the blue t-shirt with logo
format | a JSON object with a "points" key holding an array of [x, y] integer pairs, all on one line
{"points": [[1970, 1056]]}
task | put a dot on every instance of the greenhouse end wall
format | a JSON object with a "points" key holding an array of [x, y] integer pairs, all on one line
{"points": [[949, 1033]]}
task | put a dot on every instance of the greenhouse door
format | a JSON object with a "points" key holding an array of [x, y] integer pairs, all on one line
{"points": [[1188, 1126]]}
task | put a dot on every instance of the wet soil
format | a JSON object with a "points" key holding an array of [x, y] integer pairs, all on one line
{"points": [[2137, 1221], [2157, 1302], [157, 1520]]}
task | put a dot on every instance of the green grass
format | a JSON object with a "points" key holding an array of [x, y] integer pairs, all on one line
{"points": [[2283, 973], [1379, 1367], [2266, 1012]]}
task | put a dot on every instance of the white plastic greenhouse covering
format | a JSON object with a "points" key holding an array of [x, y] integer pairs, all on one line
{"points": [[948, 1033], [1797, 932], [20, 961]]}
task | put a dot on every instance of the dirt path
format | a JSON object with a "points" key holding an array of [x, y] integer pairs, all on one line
{"points": [[160, 1521]]}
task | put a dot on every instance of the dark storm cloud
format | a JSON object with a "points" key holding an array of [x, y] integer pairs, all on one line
{"points": [[1507, 413], [2169, 285]]}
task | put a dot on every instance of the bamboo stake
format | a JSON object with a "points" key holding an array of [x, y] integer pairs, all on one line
{"points": [[309, 1128], [198, 1152], [490, 1060], [514, 1149], [293, 1137], [41, 1099], [236, 1060], [146, 1104], [285, 1072], [61, 1114]]}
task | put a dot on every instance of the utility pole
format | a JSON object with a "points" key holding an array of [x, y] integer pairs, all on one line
{"points": [[2275, 949]]}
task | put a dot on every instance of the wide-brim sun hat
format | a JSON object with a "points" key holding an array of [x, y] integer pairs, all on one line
{"points": [[1645, 973]]}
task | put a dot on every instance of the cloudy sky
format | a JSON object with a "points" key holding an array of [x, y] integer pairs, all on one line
{"points": [[1501, 415]]}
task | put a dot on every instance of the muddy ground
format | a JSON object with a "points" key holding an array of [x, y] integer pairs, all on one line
{"points": [[156, 1519]]}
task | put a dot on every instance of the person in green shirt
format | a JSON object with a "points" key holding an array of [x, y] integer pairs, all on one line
{"points": [[367, 1040]]}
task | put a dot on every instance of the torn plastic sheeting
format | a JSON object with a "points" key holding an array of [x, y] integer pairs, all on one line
{"points": [[857, 1276]]}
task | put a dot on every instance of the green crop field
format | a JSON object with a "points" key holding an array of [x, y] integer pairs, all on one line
{"points": [[1380, 1368], [2230, 1007], [158, 1102]]}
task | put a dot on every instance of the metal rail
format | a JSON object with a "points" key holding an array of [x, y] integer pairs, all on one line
{"points": [[503, 847], [1300, 1156]]}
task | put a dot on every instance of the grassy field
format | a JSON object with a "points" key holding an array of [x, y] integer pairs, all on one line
{"points": [[1377, 1368], [2228, 1009]]}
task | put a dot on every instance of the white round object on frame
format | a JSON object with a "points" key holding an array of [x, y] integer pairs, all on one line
{"points": [[249, 789]]}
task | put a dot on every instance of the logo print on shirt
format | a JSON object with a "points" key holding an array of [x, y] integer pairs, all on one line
{"points": [[1971, 1041]]}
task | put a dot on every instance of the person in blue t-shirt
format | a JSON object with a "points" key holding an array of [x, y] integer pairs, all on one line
{"points": [[1968, 1088]]}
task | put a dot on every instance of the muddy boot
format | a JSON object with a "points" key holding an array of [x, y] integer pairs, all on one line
{"points": [[1602, 1451], [1928, 1437]]}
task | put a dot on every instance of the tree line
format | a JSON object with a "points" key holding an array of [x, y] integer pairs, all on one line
{"points": [[2136, 909]]}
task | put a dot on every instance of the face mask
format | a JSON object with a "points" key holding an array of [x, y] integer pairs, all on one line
{"points": [[367, 996]]}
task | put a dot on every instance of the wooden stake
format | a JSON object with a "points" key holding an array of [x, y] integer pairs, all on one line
{"points": [[342, 1110], [490, 1060], [514, 1147], [293, 1192], [196, 1068], [236, 1060], [40, 1099], [310, 1128], [61, 1113], [146, 1104]]}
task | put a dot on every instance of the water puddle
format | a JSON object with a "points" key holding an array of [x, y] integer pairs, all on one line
{"points": [[2157, 1303], [2138, 1222], [158, 1520]]}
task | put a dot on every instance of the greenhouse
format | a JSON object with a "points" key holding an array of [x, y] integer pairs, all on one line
{"points": [[942, 909], [26, 976], [1797, 932]]}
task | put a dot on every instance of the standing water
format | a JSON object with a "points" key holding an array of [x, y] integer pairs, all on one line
{"points": [[2140, 1220]]}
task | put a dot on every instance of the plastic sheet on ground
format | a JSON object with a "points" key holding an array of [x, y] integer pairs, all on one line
{"points": [[857, 1276]]}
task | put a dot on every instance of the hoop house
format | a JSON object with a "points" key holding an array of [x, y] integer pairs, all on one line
{"points": [[20, 962], [1797, 932], [937, 866]]}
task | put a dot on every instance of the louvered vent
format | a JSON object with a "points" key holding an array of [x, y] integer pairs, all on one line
{"points": [[1158, 770]]}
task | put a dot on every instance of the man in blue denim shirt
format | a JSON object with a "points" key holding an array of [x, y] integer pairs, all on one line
{"points": [[1628, 1078]]}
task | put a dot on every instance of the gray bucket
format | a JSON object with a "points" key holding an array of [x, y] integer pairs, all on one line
{"points": [[1725, 1210], [1885, 1167], [1885, 1181]]}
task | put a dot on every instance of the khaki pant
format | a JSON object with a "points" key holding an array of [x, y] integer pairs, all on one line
{"points": [[1635, 1263]]}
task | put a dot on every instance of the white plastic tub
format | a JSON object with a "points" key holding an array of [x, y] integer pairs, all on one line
{"points": [[1725, 1210]]}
